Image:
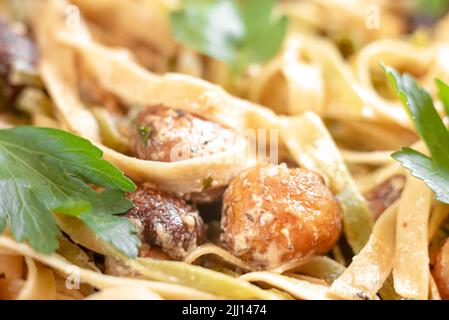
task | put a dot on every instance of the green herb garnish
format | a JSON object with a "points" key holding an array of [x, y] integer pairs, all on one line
{"points": [[432, 8], [240, 33], [145, 134], [443, 93], [207, 182], [433, 170], [45, 171]]}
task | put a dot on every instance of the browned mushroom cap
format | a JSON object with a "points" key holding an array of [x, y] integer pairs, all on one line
{"points": [[169, 135], [17, 52], [441, 271], [273, 215], [166, 221], [384, 195]]}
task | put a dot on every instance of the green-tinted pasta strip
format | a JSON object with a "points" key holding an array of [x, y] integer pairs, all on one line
{"points": [[199, 278]]}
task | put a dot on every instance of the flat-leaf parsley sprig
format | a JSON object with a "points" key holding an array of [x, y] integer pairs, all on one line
{"points": [[239, 33], [433, 170], [45, 171]]}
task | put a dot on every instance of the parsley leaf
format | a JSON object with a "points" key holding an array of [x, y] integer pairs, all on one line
{"points": [[239, 33], [434, 170], [428, 123], [264, 36], [432, 8], [443, 94], [45, 171], [435, 176]]}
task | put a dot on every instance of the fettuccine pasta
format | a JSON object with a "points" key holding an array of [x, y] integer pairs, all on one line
{"points": [[185, 158]]}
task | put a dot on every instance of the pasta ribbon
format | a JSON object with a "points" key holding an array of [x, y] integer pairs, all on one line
{"points": [[411, 266], [211, 249], [371, 267], [200, 278], [40, 283], [102, 281], [322, 268], [130, 292], [299, 289]]}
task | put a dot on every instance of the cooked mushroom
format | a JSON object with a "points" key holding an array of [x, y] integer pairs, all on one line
{"points": [[165, 221], [273, 215]]}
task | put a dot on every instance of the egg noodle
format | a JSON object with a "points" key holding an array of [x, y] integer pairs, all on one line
{"points": [[324, 92]]}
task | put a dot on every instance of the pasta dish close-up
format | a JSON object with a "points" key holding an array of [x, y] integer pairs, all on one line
{"points": [[224, 149]]}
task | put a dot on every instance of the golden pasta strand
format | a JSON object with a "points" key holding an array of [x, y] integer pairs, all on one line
{"points": [[411, 266], [299, 289], [40, 283], [371, 267]]}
